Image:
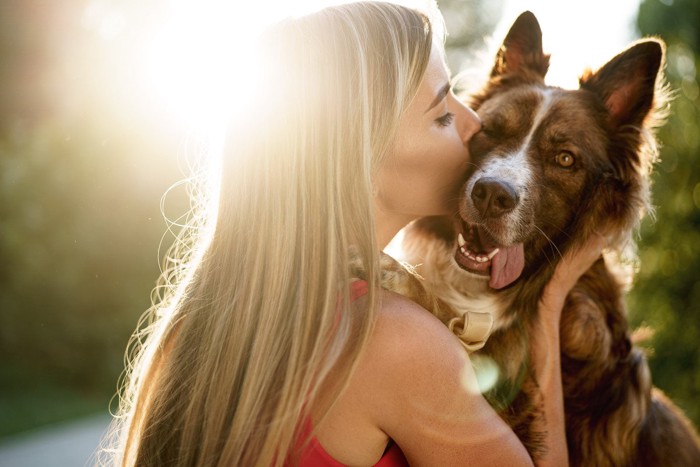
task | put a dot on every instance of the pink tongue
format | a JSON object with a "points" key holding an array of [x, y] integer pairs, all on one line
{"points": [[506, 266]]}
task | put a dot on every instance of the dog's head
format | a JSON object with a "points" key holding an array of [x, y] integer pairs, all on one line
{"points": [[553, 166]]}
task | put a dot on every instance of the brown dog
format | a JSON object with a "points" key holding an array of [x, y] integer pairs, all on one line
{"points": [[551, 168]]}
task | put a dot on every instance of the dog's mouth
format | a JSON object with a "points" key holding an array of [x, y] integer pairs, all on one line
{"points": [[479, 253]]}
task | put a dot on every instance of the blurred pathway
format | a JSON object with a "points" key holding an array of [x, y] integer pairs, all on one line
{"points": [[67, 445]]}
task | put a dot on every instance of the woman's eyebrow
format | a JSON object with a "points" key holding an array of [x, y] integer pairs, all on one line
{"points": [[440, 96]]}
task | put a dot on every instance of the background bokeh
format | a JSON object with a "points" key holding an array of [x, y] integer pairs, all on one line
{"points": [[88, 147]]}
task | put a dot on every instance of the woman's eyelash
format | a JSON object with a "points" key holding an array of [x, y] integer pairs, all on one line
{"points": [[446, 119]]}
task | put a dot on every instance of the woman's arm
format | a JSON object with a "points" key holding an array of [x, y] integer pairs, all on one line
{"points": [[545, 348]]}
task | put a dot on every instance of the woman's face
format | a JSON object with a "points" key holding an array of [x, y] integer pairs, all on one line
{"points": [[424, 169]]}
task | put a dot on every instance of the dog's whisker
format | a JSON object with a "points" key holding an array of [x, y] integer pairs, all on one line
{"points": [[550, 241]]}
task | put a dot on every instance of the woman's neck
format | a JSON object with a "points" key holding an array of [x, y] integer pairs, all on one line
{"points": [[387, 227]]}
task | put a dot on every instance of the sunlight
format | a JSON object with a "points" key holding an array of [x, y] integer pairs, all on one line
{"points": [[577, 34], [197, 60], [200, 61]]}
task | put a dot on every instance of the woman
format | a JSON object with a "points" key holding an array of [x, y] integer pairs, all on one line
{"points": [[261, 356]]}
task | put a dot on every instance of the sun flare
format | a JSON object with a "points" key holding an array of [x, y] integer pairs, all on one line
{"points": [[200, 60], [196, 61]]}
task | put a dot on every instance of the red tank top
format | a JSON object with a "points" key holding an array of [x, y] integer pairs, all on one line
{"points": [[313, 455]]}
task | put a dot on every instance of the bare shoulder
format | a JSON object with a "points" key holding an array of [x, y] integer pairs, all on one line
{"points": [[410, 345], [423, 393], [408, 337]]}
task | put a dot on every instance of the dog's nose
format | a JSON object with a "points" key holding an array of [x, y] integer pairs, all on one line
{"points": [[493, 197]]}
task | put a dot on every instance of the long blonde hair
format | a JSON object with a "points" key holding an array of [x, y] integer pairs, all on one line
{"points": [[236, 353]]}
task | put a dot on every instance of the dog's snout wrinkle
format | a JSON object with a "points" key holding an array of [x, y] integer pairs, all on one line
{"points": [[493, 197]]}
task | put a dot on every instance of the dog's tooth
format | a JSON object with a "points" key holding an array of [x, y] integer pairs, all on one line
{"points": [[492, 254], [463, 250], [473, 258], [460, 240]]}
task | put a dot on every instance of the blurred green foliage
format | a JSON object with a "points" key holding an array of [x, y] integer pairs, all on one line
{"points": [[82, 169], [666, 295]]}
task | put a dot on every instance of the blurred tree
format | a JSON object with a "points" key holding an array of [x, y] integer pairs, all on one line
{"points": [[666, 295]]}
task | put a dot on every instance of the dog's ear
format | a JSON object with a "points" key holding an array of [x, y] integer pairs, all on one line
{"points": [[522, 48], [627, 83]]}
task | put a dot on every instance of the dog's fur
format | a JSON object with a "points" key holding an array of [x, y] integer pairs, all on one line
{"points": [[559, 166]]}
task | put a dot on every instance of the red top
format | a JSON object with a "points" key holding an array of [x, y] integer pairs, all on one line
{"points": [[358, 289], [313, 455]]}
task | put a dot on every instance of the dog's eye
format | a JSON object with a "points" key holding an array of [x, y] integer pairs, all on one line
{"points": [[565, 159]]}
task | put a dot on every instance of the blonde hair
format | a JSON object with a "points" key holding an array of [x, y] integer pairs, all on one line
{"points": [[237, 352]]}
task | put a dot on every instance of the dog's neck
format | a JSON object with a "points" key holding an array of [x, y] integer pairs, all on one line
{"points": [[460, 290]]}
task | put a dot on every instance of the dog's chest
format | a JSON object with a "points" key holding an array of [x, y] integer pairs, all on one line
{"points": [[463, 292]]}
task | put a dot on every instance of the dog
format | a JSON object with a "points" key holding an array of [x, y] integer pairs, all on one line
{"points": [[551, 168]]}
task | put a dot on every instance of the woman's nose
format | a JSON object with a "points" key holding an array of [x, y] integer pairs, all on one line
{"points": [[471, 123]]}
